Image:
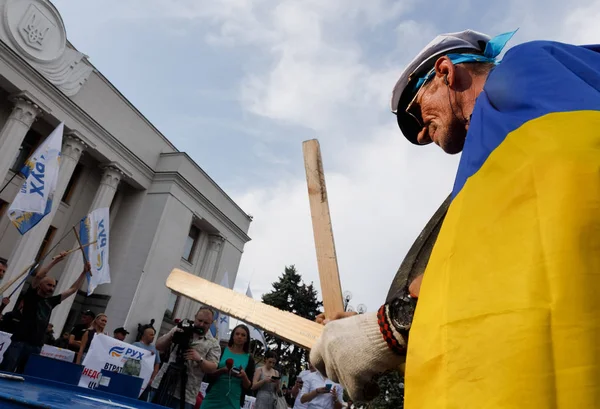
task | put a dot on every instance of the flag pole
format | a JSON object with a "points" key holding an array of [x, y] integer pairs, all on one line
{"points": [[85, 260]]}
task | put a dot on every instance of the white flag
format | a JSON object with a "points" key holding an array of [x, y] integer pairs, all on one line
{"points": [[34, 200], [255, 333], [222, 319], [95, 227]]}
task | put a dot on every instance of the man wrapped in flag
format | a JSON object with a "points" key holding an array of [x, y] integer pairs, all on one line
{"points": [[508, 307]]}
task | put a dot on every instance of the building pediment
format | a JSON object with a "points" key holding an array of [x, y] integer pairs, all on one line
{"points": [[35, 30]]}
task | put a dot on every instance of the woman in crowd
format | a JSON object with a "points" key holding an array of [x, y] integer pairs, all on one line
{"points": [[266, 382], [97, 327], [232, 379]]}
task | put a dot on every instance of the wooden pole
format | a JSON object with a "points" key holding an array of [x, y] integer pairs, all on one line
{"points": [[85, 260], [322, 229], [14, 279], [285, 325], [75, 249]]}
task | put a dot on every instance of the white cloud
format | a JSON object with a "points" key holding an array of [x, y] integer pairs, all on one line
{"points": [[317, 73]]}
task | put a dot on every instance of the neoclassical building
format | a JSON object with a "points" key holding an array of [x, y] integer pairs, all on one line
{"points": [[165, 211]]}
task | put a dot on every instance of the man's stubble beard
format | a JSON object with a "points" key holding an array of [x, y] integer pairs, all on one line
{"points": [[455, 139]]}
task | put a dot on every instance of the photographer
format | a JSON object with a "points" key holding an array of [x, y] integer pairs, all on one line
{"points": [[201, 357]]}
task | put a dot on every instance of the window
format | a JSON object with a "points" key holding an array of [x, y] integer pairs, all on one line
{"points": [[72, 183], [30, 143], [45, 243], [171, 306], [190, 244]]}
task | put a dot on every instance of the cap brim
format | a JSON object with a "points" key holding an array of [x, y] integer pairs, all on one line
{"points": [[409, 126]]}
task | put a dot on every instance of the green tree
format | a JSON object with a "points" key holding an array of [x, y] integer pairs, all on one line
{"points": [[391, 396], [291, 294]]}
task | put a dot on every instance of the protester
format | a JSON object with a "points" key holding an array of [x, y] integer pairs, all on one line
{"points": [[12, 319], [514, 269], [49, 336], [319, 392], [63, 341], [201, 358], [120, 334], [266, 382], [3, 267], [97, 327], [77, 332], [146, 343], [297, 388], [227, 388], [38, 303], [287, 395], [5, 300]]}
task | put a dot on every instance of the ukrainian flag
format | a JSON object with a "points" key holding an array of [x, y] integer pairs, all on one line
{"points": [[509, 310]]}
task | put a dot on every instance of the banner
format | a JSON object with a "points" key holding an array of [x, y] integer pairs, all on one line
{"points": [[58, 353], [94, 227], [34, 200], [115, 356], [4, 343]]}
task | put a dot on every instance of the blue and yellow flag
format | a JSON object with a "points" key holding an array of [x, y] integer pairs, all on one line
{"points": [[35, 198], [509, 310]]}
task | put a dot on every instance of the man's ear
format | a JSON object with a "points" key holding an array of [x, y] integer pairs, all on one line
{"points": [[445, 69]]}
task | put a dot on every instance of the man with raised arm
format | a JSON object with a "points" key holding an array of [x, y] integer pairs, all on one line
{"points": [[38, 302]]}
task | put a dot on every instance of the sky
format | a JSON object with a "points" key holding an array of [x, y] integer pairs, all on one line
{"points": [[239, 84]]}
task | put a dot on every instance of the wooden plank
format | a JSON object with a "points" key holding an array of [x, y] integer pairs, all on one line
{"points": [[331, 288], [285, 325]]}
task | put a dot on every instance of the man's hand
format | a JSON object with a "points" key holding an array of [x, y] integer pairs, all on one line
{"points": [[353, 352], [87, 269], [338, 316], [5, 301], [193, 355], [57, 259], [322, 390]]}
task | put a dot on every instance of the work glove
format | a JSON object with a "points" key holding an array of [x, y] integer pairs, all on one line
{"points": [[353, 352]]}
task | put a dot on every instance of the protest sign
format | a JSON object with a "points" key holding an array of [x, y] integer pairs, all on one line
{"points": [[115, 356], [4, 343], [58, 353]]}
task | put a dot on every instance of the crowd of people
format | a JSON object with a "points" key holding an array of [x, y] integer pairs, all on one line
{"points": [[231, 372]]}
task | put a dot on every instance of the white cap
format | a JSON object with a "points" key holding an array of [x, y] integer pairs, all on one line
{"points": [[468, 41]]}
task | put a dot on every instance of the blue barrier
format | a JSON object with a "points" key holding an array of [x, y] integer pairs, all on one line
{"points": [[53, 369], [120, 384], [41, 393]]}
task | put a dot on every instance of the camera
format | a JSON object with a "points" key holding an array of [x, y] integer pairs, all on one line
{"points": [[183, 338]]}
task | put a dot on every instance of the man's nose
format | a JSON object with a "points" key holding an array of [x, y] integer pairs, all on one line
{"points": [[423, 137]]}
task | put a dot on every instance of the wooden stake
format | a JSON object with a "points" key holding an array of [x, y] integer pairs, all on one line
{"points": [[14, 279], [85, 260], [285, 325], [77, 248], [322, 229]]}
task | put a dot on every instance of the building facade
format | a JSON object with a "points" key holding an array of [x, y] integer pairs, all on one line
{"points": [[165, 211]]}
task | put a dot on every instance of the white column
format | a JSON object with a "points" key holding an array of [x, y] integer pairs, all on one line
{"points": [[111, 177], [28, 245], [207, 271], [14, 131]]}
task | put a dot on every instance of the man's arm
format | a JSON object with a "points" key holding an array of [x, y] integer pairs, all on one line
{"points": [[77, 284], [43, 272], [163, 343], [73, 342], [380, 348], [156, 367]]}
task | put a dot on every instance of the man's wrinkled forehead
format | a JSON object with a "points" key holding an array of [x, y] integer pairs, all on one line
{"points": [[48, 280]]}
